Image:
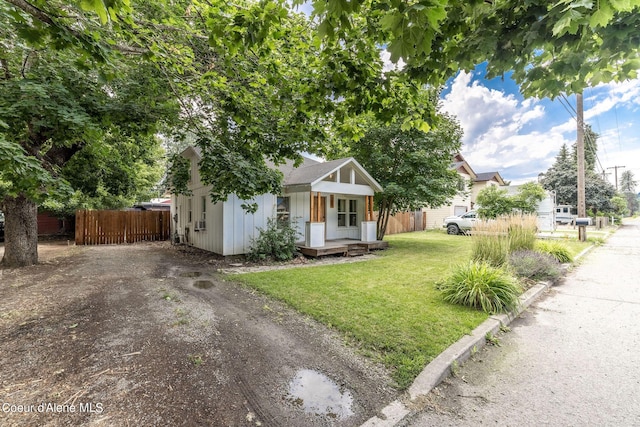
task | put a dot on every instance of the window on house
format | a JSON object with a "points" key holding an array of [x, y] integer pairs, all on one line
{"points": [[347, 213], [204, 208], [283, 212], [189, 211]]}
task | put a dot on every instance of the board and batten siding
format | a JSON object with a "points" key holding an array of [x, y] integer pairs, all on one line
{"points": [[242, 227]]}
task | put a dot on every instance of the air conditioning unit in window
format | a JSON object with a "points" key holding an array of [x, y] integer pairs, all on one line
{"points": [[200, 225]]}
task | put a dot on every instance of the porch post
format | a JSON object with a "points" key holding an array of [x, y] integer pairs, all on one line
{"points": [[368, 226], [314, 232], [318, 203]]}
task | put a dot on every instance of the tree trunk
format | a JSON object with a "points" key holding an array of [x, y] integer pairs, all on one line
{"points": [[20, 232], [384, 212]]}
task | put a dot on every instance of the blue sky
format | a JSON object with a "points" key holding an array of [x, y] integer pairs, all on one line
{"points": [[521, 137]]}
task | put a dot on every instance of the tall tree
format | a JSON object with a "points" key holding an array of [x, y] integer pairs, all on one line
{"points": [[561, 178], [628, 188], [54, 106], [412, 166]]}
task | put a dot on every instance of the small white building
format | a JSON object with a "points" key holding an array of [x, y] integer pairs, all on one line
{"points": [[325, 202]]}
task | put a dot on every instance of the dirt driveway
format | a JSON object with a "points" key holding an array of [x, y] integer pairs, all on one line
{"points": [[148, 334]]}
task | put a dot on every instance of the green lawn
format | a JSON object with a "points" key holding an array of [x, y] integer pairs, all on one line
{"points": [[388, 307]]}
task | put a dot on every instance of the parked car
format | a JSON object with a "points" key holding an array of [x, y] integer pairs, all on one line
{"points": [[460, 224]]}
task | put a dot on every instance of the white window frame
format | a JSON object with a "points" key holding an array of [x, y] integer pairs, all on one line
{"points": [[348, 212]]}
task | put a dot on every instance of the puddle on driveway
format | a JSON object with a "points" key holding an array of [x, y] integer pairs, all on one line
{"points": [[203, 284], [317, 394]]}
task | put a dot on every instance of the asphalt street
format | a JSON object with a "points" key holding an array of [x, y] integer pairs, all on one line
{"points": [[573, 358]]}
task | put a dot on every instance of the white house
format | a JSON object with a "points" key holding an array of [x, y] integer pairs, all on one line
{"points": [[327, 203]]}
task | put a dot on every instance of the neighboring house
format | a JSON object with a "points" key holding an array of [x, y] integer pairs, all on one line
{"points": [[460, 203], [325, 202], [484, 180]]}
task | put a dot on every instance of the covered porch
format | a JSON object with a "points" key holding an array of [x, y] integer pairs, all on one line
{"points": [[344, 247]]}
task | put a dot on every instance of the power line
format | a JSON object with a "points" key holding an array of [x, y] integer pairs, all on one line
{"points": [[616, 173], [590, 142]]}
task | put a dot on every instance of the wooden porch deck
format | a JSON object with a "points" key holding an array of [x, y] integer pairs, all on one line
{"points": [[346, 247]]}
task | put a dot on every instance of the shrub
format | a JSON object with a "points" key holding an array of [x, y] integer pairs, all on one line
{"points": [[556, 250], [482, 286], [534, 265], [277, 241]]}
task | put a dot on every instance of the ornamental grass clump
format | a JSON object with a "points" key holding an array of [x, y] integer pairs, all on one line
{"points": [[483, 286], [490, 241], [556, 250], [522, 232]]}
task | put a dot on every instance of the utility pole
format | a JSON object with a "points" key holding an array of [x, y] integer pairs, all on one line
{"points": [[582, 205], [616, 173]]}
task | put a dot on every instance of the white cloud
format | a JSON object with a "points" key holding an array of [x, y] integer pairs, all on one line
{"points": [[388, 65], [495, 126]]}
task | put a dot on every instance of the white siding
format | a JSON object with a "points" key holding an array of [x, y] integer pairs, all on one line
{"points": [[241, 227], [437, 215], [300, 211]]}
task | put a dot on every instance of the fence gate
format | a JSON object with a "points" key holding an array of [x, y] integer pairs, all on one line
{"points": [[113, 227]]}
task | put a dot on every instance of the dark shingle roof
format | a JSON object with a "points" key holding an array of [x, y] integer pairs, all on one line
{"points": [[307, 174]]}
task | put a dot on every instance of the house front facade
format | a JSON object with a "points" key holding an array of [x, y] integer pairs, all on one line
{"points": [[323, 201]]}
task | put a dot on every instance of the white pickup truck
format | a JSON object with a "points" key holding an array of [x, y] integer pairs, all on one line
{"points": [[460, 224]]}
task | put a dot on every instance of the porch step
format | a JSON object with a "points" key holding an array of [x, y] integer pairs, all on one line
{"points": [[357, 250]]}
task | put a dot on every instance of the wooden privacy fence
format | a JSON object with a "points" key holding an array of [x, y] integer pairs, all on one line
{"points": [[113, 227], [405, 222]]}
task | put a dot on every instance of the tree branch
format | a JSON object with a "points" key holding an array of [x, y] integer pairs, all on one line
{"points": [[45, 18], [32, 10]]}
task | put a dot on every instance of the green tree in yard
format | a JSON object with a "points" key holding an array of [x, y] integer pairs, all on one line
{"points": [[493, 202], [412, 166], [54, 108], [619, 205], [528, 197], [252, 81]]}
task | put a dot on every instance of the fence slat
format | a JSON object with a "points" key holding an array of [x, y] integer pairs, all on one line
{"points": [[116, 227]]}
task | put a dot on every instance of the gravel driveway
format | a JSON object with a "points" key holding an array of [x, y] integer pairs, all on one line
{"points": [[150, 334]]}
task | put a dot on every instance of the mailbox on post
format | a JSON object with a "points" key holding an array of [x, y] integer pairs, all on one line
{"points": [[583, 221]]}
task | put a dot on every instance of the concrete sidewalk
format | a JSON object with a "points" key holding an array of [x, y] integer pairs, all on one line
{"points": [[571, 358]]}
